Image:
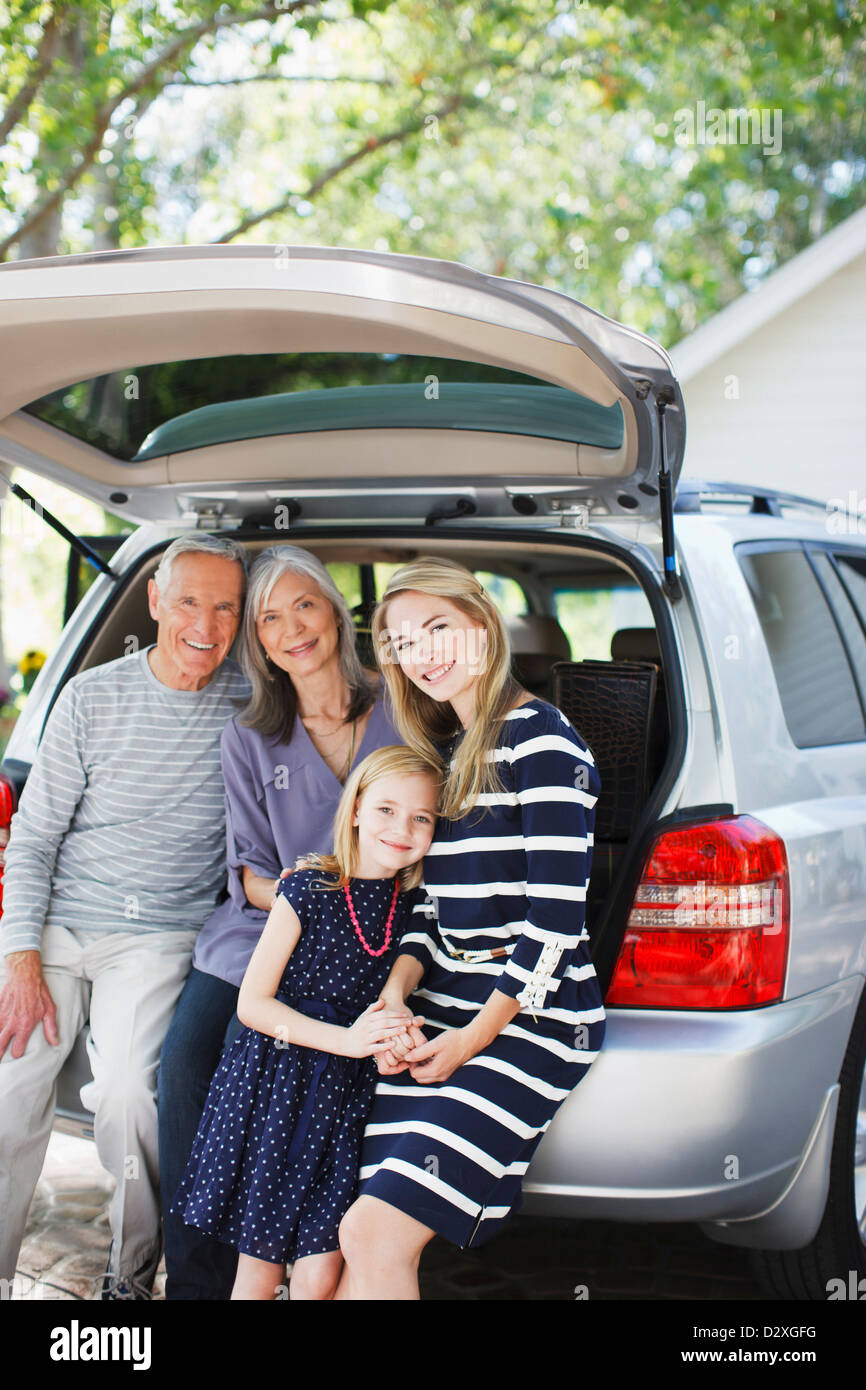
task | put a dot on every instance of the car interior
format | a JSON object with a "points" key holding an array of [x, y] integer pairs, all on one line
{"points": [[582, 635]]}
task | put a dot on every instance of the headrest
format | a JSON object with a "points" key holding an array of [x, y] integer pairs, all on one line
{"points": [[635, 644], [537, 634]]}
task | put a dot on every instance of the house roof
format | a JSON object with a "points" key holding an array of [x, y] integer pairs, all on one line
{"points": [[752, 310]]}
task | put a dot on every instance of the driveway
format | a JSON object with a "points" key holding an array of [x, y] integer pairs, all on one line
{"points": [[66, 1246]]}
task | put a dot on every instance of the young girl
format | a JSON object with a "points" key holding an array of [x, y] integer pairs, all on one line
{"points": [[275, 1160]]}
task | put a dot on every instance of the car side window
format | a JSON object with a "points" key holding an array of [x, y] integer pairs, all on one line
{"points": [[853, 633], [814, 677], [852, 570]]}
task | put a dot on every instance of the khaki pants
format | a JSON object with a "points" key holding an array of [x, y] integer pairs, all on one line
{"points": [[127, 985]]}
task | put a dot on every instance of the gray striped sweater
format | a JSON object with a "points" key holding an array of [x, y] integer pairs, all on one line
{"points": [[121, 826]]}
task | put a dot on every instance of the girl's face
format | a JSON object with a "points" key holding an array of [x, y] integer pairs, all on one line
{"points": [[396, 817], [297, 627], [438, 647]]}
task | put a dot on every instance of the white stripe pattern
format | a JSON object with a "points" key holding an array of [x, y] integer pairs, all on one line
{"points": [[121, 825], [513, 872]]}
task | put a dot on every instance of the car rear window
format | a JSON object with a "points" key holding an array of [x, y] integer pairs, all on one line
{"points": [[169, 407], [813, 673]]}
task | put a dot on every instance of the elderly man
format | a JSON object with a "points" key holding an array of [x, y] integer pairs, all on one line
{"points": [[116, 858]]}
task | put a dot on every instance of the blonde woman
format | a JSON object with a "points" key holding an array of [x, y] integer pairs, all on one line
{"points": [[501, 971]]}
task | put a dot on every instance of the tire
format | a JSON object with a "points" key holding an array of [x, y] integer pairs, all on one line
{"points": [[839, 1246]]}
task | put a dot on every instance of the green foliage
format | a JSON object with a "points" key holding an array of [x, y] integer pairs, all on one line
{"points": [[534, 138]]}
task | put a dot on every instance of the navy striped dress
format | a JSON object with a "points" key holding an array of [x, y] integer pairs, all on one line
{"points": [[510, 876]]}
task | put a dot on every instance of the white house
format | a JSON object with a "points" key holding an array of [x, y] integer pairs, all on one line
{"points": [[775, 384]]}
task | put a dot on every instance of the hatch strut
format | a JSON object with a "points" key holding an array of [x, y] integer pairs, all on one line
{"points": [[666, 509], [75, 541]]}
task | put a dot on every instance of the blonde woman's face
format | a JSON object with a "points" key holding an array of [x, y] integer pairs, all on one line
{"points": [[396, 817], [297, 627], [437, 646]]}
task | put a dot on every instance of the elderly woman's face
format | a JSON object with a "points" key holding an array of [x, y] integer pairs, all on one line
{"points": [[297, 627]]}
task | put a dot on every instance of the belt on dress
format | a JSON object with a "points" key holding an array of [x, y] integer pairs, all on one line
{"points": [[471, 956], [332, 1013]]}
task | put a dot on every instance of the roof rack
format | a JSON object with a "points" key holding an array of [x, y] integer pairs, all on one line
{"points": [[766, 501]]}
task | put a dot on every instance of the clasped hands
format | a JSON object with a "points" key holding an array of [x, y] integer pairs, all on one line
{"points": [[428, 1062]]}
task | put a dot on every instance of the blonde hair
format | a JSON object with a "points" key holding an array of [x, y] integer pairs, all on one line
{"points": [[394, 760], [423, 721]]}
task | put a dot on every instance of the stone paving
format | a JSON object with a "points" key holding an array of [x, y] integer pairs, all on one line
{"points": [[66, 1246]]}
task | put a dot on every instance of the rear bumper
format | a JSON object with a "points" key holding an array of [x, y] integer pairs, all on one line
{"points": [[689, 1116]]}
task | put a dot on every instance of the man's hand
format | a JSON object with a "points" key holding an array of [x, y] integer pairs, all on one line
{"points": [[25, 1001]]}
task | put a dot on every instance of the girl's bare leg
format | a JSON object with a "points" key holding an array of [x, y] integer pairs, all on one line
{"points": [[257, 1279], [315, 1277], [382, 1249]]}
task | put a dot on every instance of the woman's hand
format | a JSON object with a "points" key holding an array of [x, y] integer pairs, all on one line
{"points": [[387, 1068], [373, 1030], [259, 890], [285, 875], [436, 1060], [391, 1061], [413, 1037]]}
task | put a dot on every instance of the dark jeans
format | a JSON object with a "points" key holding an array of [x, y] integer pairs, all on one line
{"points": [[197, 1266]]}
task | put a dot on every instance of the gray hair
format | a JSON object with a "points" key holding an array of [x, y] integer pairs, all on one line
{"points": [[221, 546], [273, 704]]}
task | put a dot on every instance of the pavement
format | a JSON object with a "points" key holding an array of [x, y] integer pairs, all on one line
{"points": [[65, 1249]]}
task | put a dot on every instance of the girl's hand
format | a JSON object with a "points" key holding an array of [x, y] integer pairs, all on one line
{"points": [[373, 1030], [435, 1061]]}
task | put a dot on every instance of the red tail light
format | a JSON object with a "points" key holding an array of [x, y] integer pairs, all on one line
{"points": [[7, 811], [708, 928]]}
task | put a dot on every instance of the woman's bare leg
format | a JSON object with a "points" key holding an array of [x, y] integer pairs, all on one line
{"points": [[315, 1277], [382, 1249], [257, 1279]]}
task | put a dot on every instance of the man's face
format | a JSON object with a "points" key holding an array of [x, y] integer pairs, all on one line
{"points": [[197, 617]]}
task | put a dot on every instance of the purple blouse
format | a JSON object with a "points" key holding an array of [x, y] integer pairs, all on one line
{"points": [[280, 803]]}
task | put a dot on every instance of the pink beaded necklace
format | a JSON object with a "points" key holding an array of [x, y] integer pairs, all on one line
{"points": [[356, 924]]}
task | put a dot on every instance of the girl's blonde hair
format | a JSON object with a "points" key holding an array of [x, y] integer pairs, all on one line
{"points": [[423, 721], [395, 760]]}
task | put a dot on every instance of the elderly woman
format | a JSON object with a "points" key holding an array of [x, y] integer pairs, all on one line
{"points": [[314, 713]]}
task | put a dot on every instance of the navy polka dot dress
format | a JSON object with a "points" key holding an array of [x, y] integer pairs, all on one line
{"points": [[274, 1165]]}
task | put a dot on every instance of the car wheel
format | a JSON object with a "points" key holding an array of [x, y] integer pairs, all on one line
{"points": [[838, 1250]]}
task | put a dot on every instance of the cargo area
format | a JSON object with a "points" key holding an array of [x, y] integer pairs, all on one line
{"points": [[583, 636]]}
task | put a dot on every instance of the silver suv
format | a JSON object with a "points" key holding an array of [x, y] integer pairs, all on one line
{"points": [[707, 641]]}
